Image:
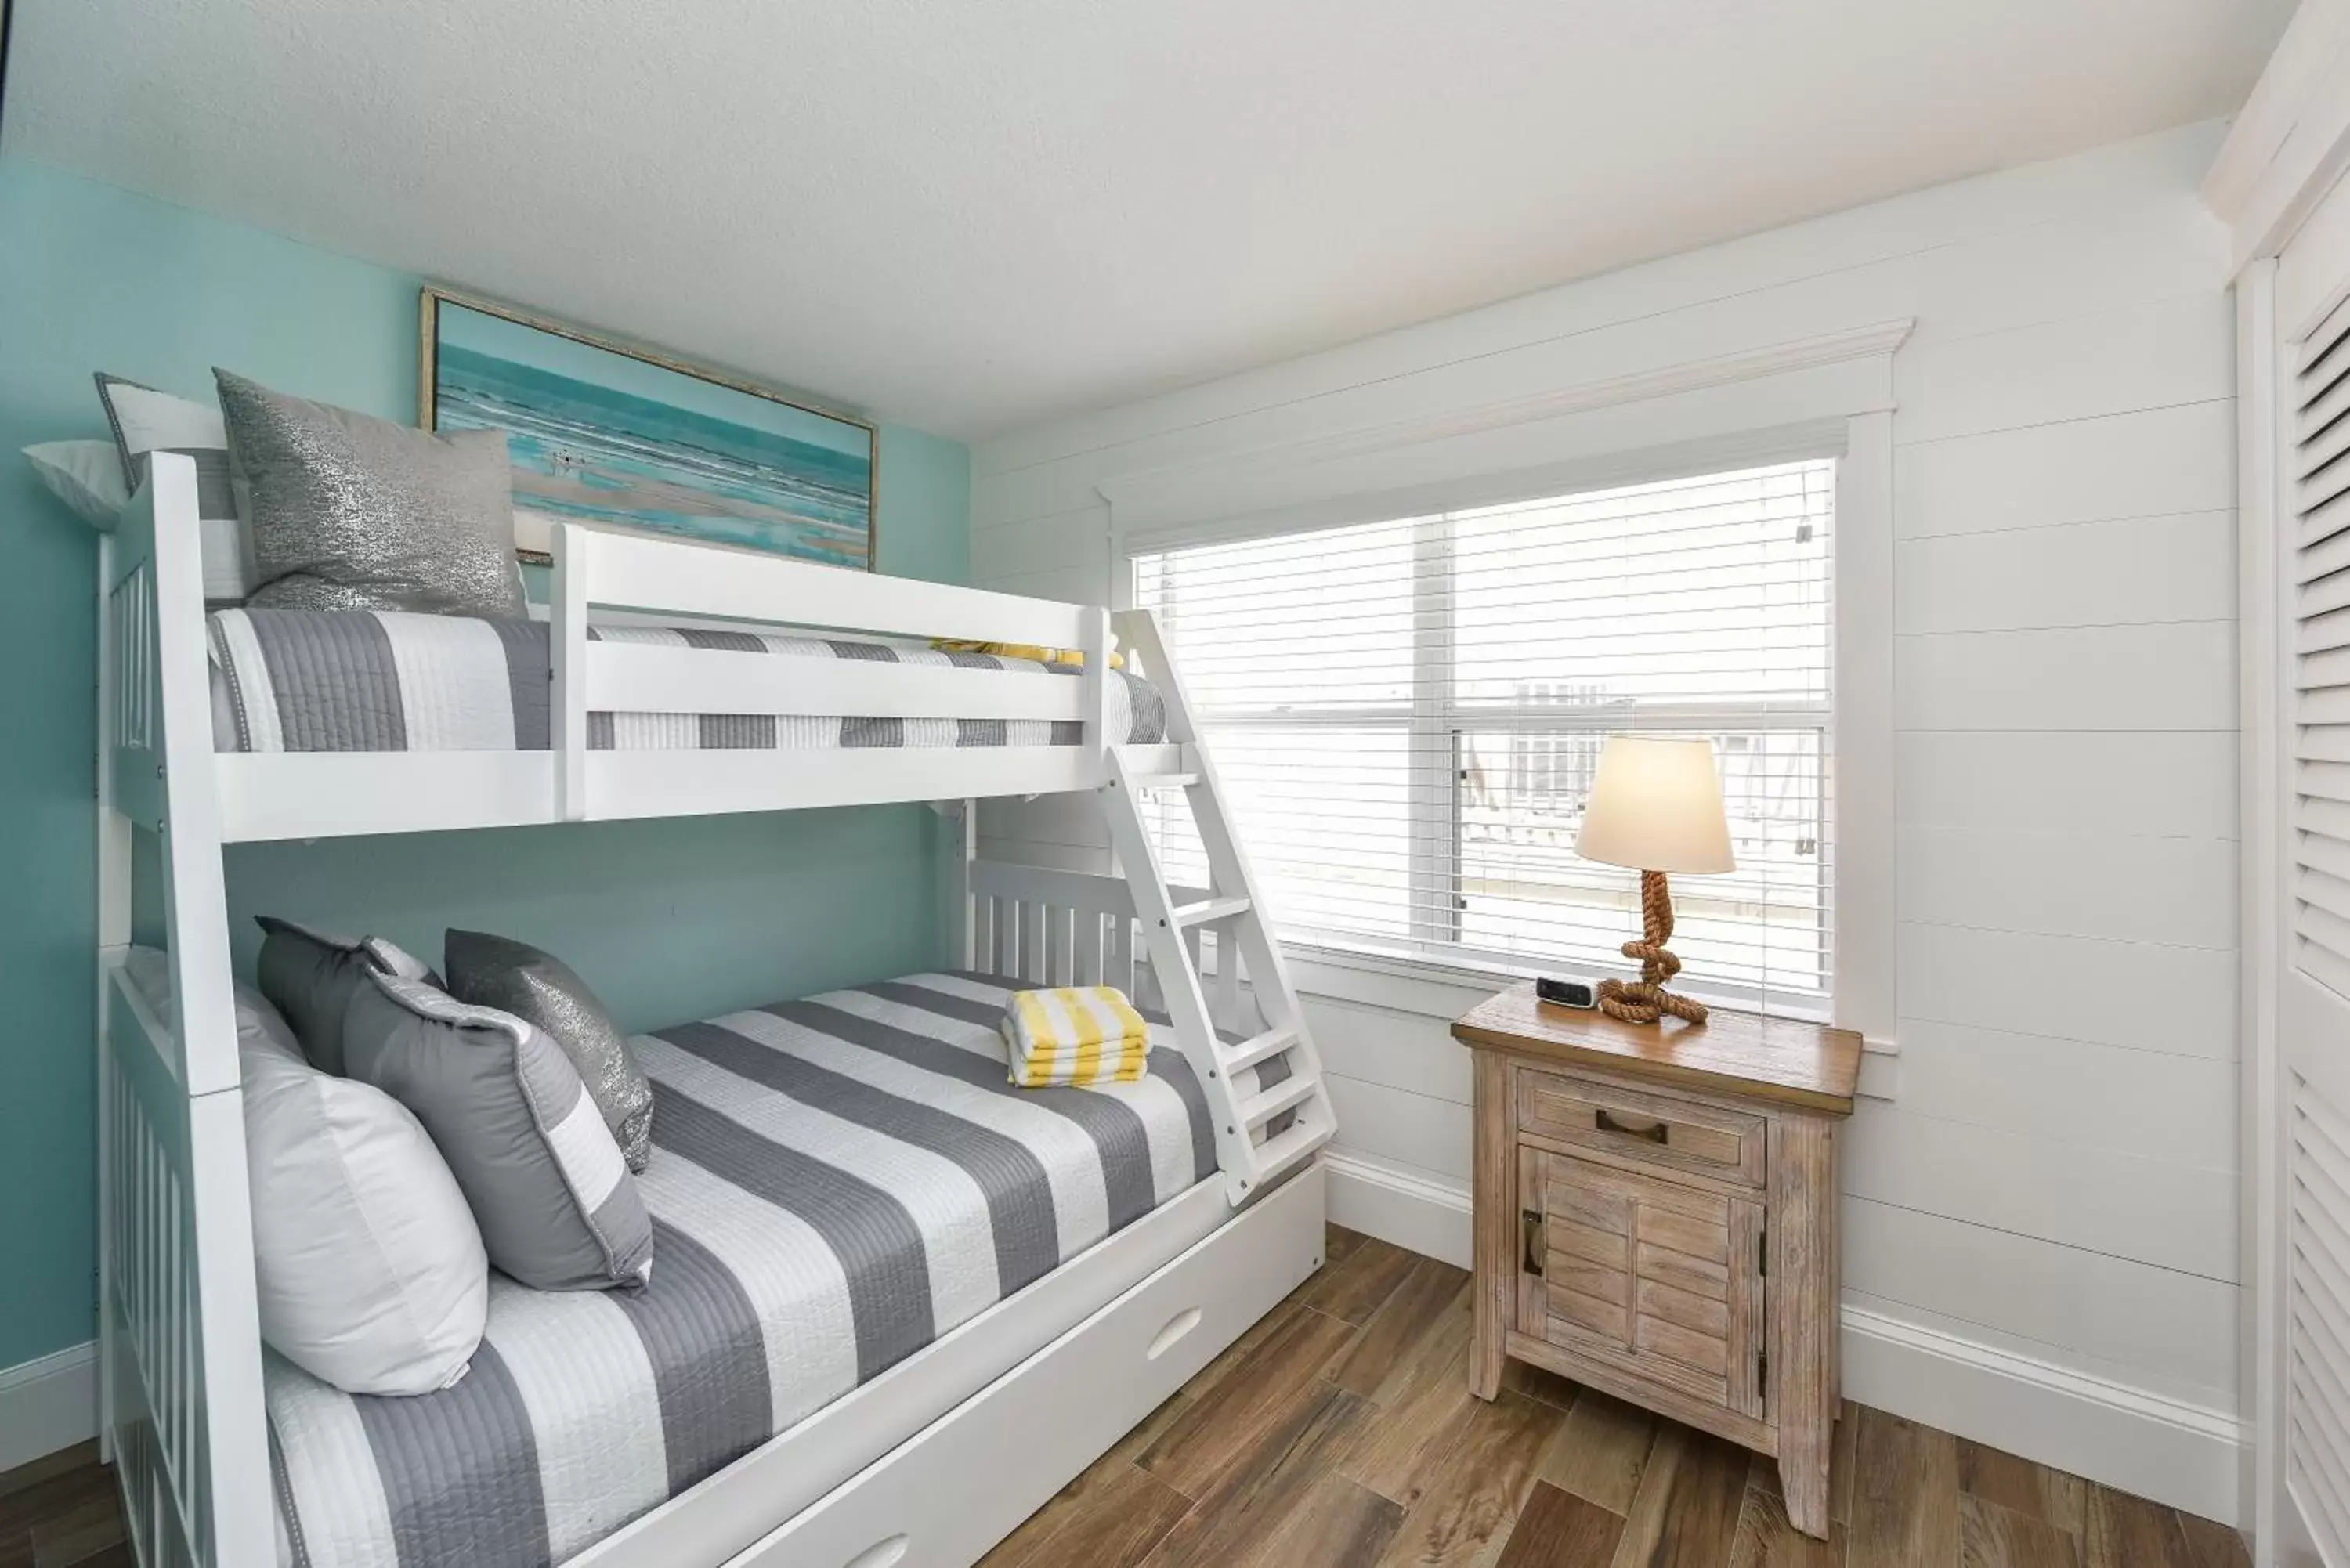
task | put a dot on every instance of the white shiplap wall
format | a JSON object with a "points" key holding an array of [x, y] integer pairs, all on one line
{"points": [[2052, 1183]]}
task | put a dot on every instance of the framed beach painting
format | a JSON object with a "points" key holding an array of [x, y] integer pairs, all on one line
{"points": [[621, 437]]}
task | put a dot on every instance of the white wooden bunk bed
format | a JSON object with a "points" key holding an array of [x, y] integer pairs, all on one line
{"points": [[926, 1465]]}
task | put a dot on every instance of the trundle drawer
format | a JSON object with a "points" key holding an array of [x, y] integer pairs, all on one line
{"points": [[1667, 1133], [944, 1496]]}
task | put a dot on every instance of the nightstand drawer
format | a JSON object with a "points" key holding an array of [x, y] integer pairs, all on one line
{"points": [[1668, 1134]]}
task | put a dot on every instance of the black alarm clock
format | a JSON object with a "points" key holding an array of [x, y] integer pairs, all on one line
{"points": [[1566, 993]]}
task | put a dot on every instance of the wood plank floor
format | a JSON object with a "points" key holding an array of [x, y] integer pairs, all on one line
{"points": [[1339, 1433], [62, 1510]]}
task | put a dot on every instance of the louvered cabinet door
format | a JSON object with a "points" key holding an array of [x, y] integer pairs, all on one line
{"points": [[2319, 698], [2317, 1364], [2313, 987], [1655, 1279]]}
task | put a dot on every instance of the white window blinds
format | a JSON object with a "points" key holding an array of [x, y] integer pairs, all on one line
{"points": [[1407, 715], [2321, 665]]}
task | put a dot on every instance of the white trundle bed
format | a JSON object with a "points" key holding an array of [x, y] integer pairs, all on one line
{"points": [[649, 644]]}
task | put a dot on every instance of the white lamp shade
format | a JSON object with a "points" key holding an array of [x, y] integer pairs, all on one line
{"points": [[1656, 807]]}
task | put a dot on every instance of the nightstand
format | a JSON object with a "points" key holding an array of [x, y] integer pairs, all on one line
{"points": [[1656, 1217]]}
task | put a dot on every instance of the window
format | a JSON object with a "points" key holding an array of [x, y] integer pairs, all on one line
{"points": [[1407, 715]]}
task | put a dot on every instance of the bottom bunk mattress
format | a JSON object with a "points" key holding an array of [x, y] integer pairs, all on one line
{"points": [[386, 681], [834, 1182]]}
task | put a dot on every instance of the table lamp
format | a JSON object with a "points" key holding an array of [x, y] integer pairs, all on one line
{"points": [[1655, 807]]}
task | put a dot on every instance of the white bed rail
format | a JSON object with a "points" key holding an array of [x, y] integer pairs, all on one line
{"points": [[1050, 928], [1070, 927], [665, 577], [156, 602], [599, 570], [179, 1330]]}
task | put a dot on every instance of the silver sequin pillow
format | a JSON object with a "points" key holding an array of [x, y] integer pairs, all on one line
{"points": [[345, 512], [541, 989]]}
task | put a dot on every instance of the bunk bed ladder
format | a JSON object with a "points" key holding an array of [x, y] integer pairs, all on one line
{"points": [[1285, 1113]]}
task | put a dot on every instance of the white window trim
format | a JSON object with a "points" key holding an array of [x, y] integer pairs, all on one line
{"points": [[1826, 396]]}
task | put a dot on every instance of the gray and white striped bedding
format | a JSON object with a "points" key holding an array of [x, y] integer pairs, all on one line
{"points": [[834, 1183], [380, 680]]}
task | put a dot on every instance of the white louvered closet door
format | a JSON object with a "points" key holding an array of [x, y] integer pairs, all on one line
{"points": [[2314, 1001]]}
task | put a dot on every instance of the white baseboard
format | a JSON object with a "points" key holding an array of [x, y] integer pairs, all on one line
{"points": [[1417, 1212], [2295, 1545], [2130, 1438], [2127, 1438], [47, 1405]]}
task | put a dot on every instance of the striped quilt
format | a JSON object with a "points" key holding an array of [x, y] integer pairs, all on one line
{"points": [[381, 681], [834, 1183]]}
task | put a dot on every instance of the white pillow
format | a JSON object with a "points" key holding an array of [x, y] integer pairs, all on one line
{"points": [[372, 1272], [87, 475]]}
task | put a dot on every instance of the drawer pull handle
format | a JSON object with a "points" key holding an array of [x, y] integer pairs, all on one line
{"points": [[881, 1553], [1655, 1132], [1530, 1242], [1178, 1326]]}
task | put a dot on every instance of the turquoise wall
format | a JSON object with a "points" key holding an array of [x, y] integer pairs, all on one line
{"points": [[668, 919]]}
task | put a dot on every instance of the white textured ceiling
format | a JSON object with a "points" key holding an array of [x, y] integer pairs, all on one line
{"points": [[968, 214]]}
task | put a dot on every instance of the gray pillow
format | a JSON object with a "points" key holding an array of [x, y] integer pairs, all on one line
{"points": [[309, 976], [557, 1208], [537, 987], [345, 512]]}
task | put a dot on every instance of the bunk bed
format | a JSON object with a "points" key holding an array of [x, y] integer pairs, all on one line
{"points": [[930, 1459]]}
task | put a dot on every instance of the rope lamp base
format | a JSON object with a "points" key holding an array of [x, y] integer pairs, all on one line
{"points": [[1646, 1000]]}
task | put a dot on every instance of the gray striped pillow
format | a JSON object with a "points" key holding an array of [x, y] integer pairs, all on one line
{"points": [[146, 422], [557, 1208]]}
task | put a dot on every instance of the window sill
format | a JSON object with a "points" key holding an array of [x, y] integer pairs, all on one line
{"points": [[1434, 988], [1428, 987]]}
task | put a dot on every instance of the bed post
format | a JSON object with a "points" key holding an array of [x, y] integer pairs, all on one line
{"points": [[195, 895], [967, 903], [179, 1319], [113, 936], [1097, 737], [567, 651]]}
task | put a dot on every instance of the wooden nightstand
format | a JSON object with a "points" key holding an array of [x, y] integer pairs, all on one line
{"points": [[1656, 1218]]}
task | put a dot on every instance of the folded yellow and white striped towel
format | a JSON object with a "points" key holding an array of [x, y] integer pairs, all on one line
{"points": [[1022, 651], [1076, 1034]]}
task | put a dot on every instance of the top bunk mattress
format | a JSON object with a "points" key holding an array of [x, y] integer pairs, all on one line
{"points": [[834, 1183], [383, 681]]}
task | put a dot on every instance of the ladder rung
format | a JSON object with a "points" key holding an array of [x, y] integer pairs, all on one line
{"points": [[1276, 1155], [1164, 781], [1209, 911], [1267, 1104], [1259, 1048]]}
